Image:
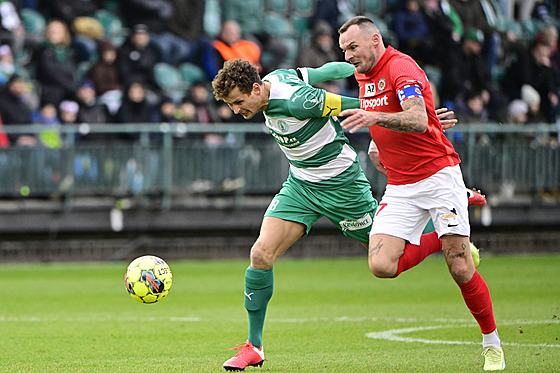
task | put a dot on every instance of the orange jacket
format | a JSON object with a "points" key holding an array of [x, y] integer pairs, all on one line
{"points": [[243, 49]]}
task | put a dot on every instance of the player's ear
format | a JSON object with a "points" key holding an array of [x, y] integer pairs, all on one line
{"points": [[256, 88], [375, 39]]}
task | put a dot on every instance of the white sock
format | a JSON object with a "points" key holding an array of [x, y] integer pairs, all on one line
{"points": [[491, 339]]}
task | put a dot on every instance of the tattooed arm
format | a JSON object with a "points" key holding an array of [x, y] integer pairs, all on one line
{"points": [[413, 118]]}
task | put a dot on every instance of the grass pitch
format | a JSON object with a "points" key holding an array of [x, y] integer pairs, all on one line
{"points": [[327, 315]]}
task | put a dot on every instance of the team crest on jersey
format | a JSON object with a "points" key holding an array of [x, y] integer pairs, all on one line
{"points": [[277, 125], [282, 126], [369, 90], [381, 84]]}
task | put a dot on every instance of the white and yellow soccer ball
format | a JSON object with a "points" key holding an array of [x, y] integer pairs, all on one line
{"points": [[148, 279]]}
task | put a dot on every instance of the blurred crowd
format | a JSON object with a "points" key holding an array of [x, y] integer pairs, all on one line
{"points": [[152, 61]]}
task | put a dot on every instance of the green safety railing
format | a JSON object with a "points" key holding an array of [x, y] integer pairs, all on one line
{"points": [[169, 160]]}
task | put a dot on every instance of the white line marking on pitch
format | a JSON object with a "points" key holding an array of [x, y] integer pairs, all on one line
{"points": [[393, 335]]}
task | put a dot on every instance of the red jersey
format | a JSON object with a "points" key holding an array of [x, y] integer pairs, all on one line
{"points": [[408, 156]]}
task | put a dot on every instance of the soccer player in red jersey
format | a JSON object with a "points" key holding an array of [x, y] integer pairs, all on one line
{"points": [[424, 176]]}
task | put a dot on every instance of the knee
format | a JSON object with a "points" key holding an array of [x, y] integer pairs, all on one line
{"points": [[261, 258], [382, 269], [461, 271]]}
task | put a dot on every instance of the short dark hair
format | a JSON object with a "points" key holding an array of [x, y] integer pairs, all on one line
{"points": [[360, 21], [235, 73]]}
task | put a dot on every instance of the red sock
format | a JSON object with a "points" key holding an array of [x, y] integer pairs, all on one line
{"points": [[477, 297], [415, 254]]}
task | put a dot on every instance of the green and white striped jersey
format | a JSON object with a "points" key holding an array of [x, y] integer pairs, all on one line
{"points": [[301, 120]]}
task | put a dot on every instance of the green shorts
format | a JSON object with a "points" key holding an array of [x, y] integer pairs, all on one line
{"points": [[350, 207]]}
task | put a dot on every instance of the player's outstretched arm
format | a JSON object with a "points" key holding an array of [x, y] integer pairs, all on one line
{"points": [[334, 104], [413, 118], [329, 71], [316, 103]]}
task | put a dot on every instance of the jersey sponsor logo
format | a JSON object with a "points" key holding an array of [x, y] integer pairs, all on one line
{"points": [[354, 225], [286, 141], [450, 219], [381, 84], [369, 90], [372, 103]]}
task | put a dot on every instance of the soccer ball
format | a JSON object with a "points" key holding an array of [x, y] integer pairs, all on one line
{"points": [[148, 279]]}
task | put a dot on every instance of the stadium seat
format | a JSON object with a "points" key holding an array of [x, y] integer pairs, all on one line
{"points": [[511, 25], [300, 23], [278, 6], [212, 18], [354, 6], [82, 69], [277, 25], [191, 73], [166, 75], [169, 79], [374, 6], [293, 48], [33, 21], [530, 28], [112, 25], [248, 13], [112, 5], [498, 73], [304, 8], [434, 75]]}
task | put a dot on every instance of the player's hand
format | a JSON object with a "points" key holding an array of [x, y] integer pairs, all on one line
{"points": [[357, 118], [443, 113]]}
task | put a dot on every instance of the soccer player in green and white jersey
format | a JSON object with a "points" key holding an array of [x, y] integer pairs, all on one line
{"points": [[325, 177]]}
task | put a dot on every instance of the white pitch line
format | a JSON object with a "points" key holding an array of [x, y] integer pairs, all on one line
{"points": [[394, 335]]}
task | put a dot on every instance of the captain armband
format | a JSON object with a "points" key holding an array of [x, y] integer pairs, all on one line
{"points": [[408, 92], [333, 105]]}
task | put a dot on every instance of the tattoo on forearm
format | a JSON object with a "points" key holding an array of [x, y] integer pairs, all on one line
{"points": [[374, 250], [458, 255], [404, 121]]}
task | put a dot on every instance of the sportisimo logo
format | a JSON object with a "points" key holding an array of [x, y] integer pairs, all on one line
{"points": [[372, 103], [354, 225]]}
